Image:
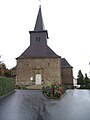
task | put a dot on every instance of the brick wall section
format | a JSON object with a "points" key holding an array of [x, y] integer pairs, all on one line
{"points": [[67, 76], [49, 68]]}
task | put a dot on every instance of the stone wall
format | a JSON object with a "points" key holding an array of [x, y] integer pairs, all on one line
{"points": [[49, 68], [67, 76]]}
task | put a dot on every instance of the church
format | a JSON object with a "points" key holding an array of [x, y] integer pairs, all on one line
{"points": [[39, 64]]}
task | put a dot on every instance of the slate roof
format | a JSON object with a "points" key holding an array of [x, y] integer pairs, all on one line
{"points": [[65, 64], [39, 26], [37, 53]]}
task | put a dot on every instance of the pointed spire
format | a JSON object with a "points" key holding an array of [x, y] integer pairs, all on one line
{"points": [[39, 26]]}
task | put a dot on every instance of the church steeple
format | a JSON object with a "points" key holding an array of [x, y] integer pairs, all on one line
{"points": [[39, 26], [38, 41]]}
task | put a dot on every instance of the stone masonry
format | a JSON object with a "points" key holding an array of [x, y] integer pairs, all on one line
{"points": [[67, 76], [49, 68]]}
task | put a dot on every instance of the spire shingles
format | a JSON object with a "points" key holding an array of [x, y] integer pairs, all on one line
{"points": [[39, 26]]}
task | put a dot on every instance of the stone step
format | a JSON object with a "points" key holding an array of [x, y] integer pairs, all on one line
{"points": [[35, 87]]}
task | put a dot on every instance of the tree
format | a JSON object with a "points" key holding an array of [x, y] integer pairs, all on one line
{"points": [[2, 69], [0, 58], [8, 73], [80, 78], [86, 79]]}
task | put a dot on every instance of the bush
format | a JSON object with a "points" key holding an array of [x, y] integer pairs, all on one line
{"points": [[21, 86], [6, 85], [53, 90], [82, 87], [88, 86], [85, 86]]}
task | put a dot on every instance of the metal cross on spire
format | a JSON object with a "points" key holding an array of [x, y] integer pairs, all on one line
{"points": [[40, 0], [39, 3]]}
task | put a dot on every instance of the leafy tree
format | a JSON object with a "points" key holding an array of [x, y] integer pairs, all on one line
{"points": [[8, 73], [80, 78], [2, 69]]}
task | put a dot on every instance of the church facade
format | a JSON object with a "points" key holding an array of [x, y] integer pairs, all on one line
{"points": [[39, 63]]}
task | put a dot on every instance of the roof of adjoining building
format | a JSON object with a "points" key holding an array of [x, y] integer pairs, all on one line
{"points": [[65, 64]]}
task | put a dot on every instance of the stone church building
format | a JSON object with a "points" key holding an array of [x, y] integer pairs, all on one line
{"points": [[39, 63]]}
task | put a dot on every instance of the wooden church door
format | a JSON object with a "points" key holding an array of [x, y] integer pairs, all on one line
{"points": [[38, 79]]}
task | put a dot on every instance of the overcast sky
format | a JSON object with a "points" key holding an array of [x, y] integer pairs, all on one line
{"points": [[67, 22]]}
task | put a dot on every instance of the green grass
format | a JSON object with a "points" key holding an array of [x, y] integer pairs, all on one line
{"points": [[6, 85]]}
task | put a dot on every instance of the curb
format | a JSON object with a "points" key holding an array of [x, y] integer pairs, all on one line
{"points": [[1, 97], [55, 98], [63, 95]]}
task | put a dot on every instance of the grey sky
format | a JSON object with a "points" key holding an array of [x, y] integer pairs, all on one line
{"points": [[67, 22]]}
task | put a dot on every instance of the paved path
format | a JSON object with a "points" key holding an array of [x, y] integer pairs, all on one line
{"points": [[32, 105], [74, 106]]}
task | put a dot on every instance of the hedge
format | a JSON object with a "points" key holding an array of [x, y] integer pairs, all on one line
{"points": [[6, 85]]}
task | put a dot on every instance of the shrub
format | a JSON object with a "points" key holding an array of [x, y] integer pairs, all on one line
{"points": [[21, 86], [82, 87], [88, 86], [85, 86], [6, 85]]}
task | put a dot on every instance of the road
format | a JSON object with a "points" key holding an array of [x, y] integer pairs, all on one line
{"points": [[32, 105]]}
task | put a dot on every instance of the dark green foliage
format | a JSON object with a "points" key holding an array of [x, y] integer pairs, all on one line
{"points": [[6, 85], [83, 81], [86, 79], [88, 86], [80, 79], [85, 86], [4, 71], [8, 73], [82, 87]]}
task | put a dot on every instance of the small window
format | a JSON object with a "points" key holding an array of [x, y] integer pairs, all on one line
{"points": [[37, 39]]}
